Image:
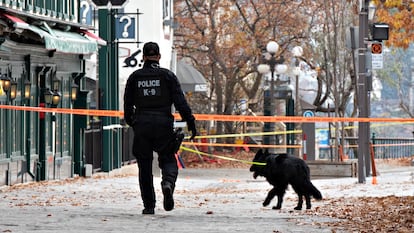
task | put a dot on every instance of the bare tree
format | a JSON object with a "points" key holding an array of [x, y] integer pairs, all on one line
{"points": [[225, 40]]}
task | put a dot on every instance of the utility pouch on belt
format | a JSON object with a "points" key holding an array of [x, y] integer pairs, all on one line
{"points": [[178, 138], [174, 143]]}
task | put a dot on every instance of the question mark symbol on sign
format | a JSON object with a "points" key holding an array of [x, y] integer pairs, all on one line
{"points": [[128, 23], [85, 12]]}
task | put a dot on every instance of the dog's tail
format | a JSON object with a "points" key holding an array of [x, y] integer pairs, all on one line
{"points": [[313, 190]]}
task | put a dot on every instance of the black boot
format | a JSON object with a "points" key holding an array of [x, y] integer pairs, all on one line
{"points": [[167, 190], [148, 211]]}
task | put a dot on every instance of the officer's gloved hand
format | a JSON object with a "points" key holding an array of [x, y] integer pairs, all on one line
{"points": [[130, 121], [192, 127]]}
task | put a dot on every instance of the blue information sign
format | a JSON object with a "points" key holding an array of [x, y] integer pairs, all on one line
{"points": [[308, 113], [125, 27], [85, 12]]}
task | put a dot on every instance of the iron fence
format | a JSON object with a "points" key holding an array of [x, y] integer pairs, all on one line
{"points": [[383, 147], [392, 148], [93, 145]]}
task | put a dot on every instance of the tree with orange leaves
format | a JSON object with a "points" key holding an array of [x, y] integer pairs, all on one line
{"points": [[399, 15]]}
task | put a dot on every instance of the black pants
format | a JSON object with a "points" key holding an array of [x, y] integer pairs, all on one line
{"points": [[153, 133]]}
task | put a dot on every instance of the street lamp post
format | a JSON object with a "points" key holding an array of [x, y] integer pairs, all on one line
{"points": [[285, 106], [297, 52], [274, 66], [43, 95], [10, 88], [27, 90], [284, 92], [54, 101]]}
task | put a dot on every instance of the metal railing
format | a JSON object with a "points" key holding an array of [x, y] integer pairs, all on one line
{"points": [[383, 147], [392, 148], [93, 145]]}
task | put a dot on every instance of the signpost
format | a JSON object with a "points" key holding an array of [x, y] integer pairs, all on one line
{"points": [[308, 136], [108, 80], [112, 28]]}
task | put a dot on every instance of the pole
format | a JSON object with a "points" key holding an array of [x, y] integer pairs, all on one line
{"points": [[54, 143], [297, 107], [79, 125], [272, 138], [27, 121], [363, 127], [105, 21], [41, 173], [42, 163], [108, 83], [114, 84], [304, 147], [297, 94], [268, 108], [290, 126], [269, 102], [8, 139]]}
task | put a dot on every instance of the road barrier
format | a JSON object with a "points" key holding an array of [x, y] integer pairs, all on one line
{"points": [[383, 147]]}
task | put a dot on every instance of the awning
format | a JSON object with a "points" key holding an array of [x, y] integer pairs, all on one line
{"points": [[18, 23], [191, 79], [60, 41], [69, 42], [93, 36]]}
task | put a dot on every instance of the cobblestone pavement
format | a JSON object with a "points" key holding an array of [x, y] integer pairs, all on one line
{"points": [[206, 200]]}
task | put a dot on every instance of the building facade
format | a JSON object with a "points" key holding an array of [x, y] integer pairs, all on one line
{"points": [[43, 48], [65, 49], [154, 23]]}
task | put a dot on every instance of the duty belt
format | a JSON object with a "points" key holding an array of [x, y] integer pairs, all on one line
{"points": [[153, 113]]}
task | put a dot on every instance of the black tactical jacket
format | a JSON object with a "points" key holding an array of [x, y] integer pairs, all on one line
{"points": [[154, 89]]}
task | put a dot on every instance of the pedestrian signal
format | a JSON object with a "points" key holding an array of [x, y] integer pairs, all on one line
{"points": [[376, 48]]}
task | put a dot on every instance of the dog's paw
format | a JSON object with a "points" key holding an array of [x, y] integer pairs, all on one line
{"points": [[266, 203], [298, 208], [276, 207]]}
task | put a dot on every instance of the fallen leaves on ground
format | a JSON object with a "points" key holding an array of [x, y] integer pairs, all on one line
{"points": [[353, 214], [192, 160], [369, 214], [364, 214]]}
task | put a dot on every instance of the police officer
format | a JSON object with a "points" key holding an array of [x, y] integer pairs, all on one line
{"points": [[149, 95]]}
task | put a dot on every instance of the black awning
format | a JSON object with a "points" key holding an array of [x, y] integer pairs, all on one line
{"points": [[190, 78]]}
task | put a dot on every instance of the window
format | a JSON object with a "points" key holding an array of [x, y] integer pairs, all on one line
{"points": [[166, 9]]}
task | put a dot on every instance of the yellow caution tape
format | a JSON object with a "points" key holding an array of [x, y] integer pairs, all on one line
{"points": [[221, 157]]}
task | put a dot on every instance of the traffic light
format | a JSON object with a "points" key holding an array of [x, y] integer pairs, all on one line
{"points": [[379, 31]]}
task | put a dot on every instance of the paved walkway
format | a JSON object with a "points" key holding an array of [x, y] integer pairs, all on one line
{"points": [[207, 200]]}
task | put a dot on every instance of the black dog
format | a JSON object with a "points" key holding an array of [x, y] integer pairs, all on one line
{"points": [[280, 171]]}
